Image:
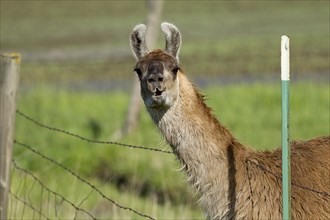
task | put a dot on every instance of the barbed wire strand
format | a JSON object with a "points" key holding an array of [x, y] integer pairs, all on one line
{"points": [[49, 190], [27, 204], [326, 194], [87, 139], [82, 180]]}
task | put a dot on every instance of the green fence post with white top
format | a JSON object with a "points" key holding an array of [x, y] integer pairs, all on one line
{"points": [[286, 168]]}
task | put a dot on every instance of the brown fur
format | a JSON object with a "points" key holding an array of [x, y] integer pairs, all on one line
{"points": [[234, 181]]}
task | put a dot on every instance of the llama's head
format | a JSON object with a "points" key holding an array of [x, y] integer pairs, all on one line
{"points": [[157, 70]]}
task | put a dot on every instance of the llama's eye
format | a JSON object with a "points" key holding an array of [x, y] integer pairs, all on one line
{"points": [[175, 70], [138, 71]]}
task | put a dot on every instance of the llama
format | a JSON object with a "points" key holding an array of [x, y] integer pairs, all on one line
{"points": [[234, 181]]}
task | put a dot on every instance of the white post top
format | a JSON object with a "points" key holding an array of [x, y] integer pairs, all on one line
{"points": [[285, 58]]}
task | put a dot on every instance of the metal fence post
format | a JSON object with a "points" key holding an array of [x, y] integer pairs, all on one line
{"points": [[9, 77], [286, 168]]}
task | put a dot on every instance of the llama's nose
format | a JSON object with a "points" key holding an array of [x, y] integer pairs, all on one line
{"points": [[155, 78], [155, 81]]}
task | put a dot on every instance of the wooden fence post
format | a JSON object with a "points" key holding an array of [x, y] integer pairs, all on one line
{"points": [[154, 11], [9, 77]]}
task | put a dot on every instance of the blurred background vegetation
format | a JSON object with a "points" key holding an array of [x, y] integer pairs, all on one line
{"points": [[76, 74]]}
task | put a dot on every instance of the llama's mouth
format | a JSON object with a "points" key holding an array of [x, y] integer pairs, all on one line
{"points": [[158, 98], [157, 93]]}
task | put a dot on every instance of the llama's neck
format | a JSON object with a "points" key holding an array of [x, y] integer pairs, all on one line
{"points": [[201, 143]]}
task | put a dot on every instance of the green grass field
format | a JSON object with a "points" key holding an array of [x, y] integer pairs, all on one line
{"points": [[70, 43], [138, 178]]}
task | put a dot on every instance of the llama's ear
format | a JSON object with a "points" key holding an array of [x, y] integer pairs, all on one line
{"points": [[138, 41], [173, 39]]}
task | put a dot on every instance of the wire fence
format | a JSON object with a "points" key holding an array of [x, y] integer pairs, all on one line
{"points": [[58, 205], [77, 207], [38, 209], [31, 197]]}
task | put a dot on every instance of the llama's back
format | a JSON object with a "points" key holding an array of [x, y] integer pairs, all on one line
{"points": [[310, 176]]}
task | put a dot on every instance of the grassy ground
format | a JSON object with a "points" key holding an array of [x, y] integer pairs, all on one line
{"points": [[144, 180]]}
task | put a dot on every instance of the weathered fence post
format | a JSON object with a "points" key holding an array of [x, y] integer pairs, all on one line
{"points": [[154, 10], [9, 77]]}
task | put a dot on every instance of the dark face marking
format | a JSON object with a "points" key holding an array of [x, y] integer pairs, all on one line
{"points": [[155, 76], [155, 68]]}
